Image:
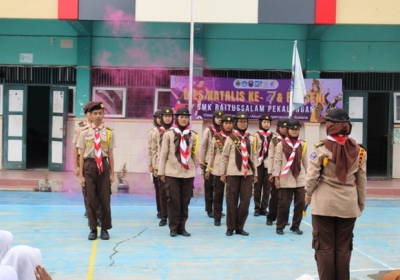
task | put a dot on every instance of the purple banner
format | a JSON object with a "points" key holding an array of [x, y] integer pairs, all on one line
{"points": [[256, 97]]}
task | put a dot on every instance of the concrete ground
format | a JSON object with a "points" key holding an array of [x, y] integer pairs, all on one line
{"points": [[140, 249]]}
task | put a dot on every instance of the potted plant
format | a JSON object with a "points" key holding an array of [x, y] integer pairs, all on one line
{"points": [[44, 184], [123, 185]]}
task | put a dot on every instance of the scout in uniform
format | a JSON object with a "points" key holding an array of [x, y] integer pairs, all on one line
{"points": [[262, 188], [289, 172], [166, 120], [239, 173], [177, 169], [152, 152], [213, 167], [208, 134], [81, 125], [335, 187], [96, 173], [273, 201]]}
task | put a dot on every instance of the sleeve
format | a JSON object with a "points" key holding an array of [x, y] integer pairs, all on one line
{"points": [[361, 182], [81, 143], [195, 146], [77, 132], [210, 155], [304, 156], [154, 149], [163, 154], [149, 148], [204, 145], [225, 156], [271, 153], [259, 143], [113, 143], [314, 170], [276, 171]]}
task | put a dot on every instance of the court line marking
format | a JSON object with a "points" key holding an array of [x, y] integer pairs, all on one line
{"points": [[92, 261]]}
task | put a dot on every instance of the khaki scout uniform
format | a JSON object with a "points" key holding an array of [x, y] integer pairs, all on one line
{"points": [[335, 207], [290, 186], [263, 185], [208, 186], [213, 159], [237, 186], [97, 185], [179, 181], [151, 154], [273, 201], [162, 195]]}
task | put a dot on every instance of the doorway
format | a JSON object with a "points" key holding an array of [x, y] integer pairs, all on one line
{"points": [[37, 142], [377, 134]]}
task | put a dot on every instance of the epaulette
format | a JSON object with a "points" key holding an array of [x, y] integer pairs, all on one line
{"points": [[85, 128], [193, 131], [81, 124], [319, 144], [109, 128]]}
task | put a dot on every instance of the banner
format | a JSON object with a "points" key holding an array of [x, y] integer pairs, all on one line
{"points": [[256, 97]]}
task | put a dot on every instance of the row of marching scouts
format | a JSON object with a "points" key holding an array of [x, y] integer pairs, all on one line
{"points": [[233, 161]]}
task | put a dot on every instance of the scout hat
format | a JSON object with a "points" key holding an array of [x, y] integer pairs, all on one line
{"points": [[87, 106], [241, 115], [96, 106], [337, 115], [282, 122], [227, 118], [157, 114], [293, 124], [265, 117], [182, 111], [218, 113], [167, 111]]}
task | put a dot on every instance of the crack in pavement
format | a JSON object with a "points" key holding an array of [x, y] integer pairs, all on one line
{"points": [[116, 245]]}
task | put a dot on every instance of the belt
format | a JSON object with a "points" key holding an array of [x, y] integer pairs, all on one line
{"points": [[93, 159]]}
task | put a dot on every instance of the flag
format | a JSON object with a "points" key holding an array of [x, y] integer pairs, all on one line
{"points": [[297, 85]]}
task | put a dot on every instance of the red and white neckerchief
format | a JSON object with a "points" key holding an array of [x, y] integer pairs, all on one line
{"points": [[279, 137], [291, 157], [97, 147], [339, 138], [184, 149], [265, 146], [213, 129], [162, 129], [243, 149]]}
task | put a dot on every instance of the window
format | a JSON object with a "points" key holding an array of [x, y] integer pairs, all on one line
{"points": [[114, 100], [396, 107]]}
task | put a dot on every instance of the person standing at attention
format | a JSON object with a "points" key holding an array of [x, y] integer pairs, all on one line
{"points": [[335, 187], [208, 134], [213, 167], [96, 143], [262, 187], [177, 169], [290, 167], [239, 174], [152, 153]]}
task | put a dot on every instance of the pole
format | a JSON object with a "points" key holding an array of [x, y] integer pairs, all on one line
{"points": [[191, 58]]}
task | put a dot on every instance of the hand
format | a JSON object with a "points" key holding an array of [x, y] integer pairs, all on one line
{"points": [[255, 179], [111, 177], [76, 171], [151, 169], [277, 182], [82, 180], [203, 166], [307, 199], [155, 172], [207, 175], [162, 178], [270, 178], [223, 178], [42, 274]]}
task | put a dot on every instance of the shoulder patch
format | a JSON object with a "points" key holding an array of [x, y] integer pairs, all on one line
{"points": [[313, 155], [109, 128], [81, 124], [319, 144]]}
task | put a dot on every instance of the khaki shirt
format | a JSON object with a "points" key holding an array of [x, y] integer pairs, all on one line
{"points": [[280, 162], [271, 152], [151, 146], [213, 157], [81, 126], [86, 141], [260, 147], [169, 164], [328, 196], [158, 142], [205, 143], [228, 164]]}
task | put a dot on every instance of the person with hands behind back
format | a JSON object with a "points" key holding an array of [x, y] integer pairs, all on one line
{"points": [[239, 173], [335, 187], [177, 169], [289, 172], [96, 143]]}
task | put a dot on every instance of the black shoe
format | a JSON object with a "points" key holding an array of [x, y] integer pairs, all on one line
{"points": [[104, 234], [92, 235], [222, 215], [210, 214], [242, 232], [217, 223], [159, 216], [98, 222], [288, 224], [256, 213], [279, 231], [263, 213], [297, 231], [229, 232], [163, 222], [269, 223], [184, 233], [173, 233]]}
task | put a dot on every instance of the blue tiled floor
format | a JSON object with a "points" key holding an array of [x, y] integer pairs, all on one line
{"points": [[140, 249]]}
